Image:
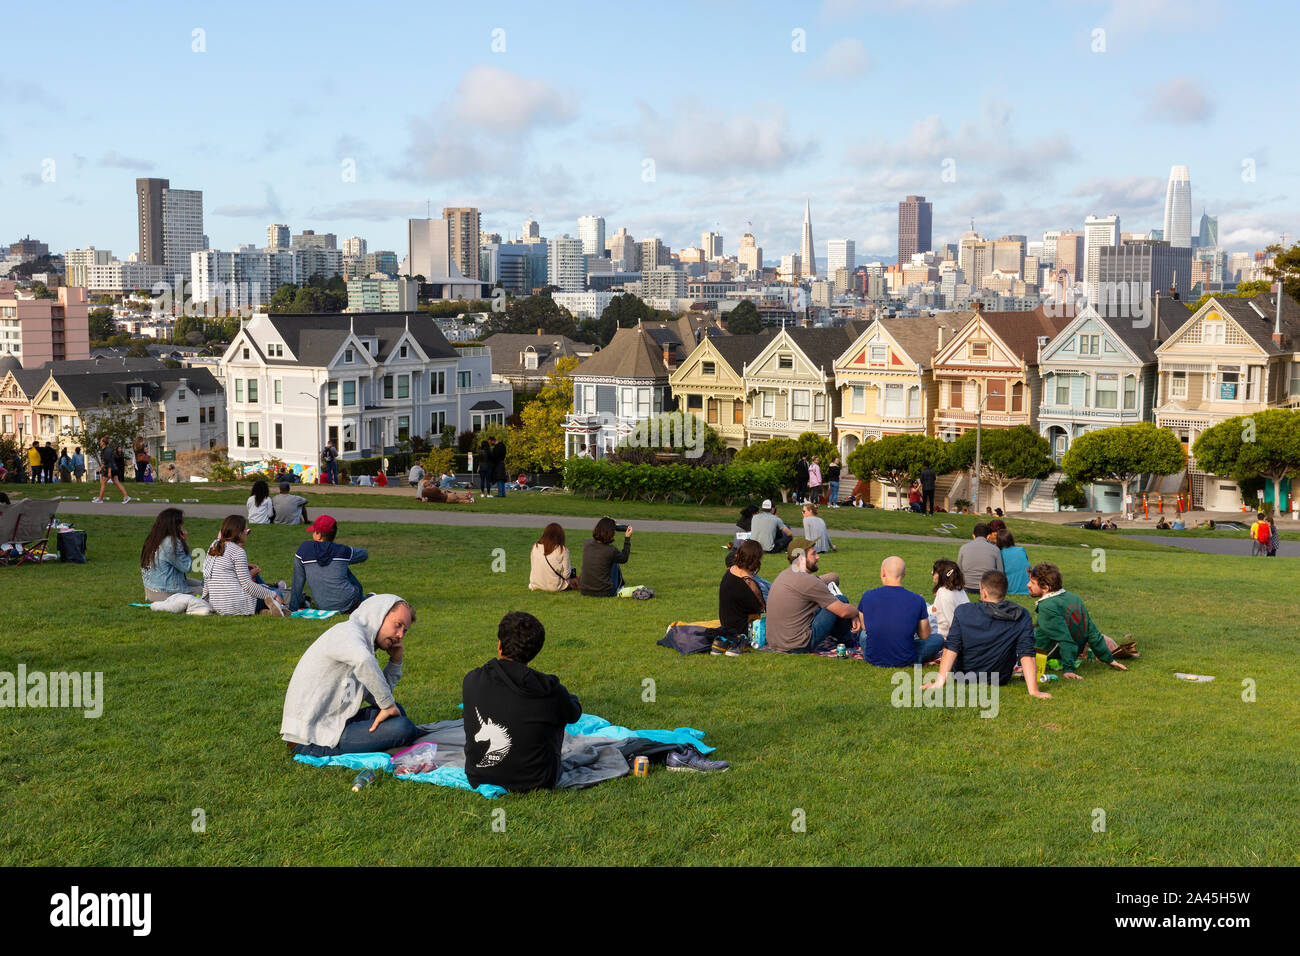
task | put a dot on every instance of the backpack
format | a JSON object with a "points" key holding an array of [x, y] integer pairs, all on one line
{"points": [[688, 638], [1261, 532]]}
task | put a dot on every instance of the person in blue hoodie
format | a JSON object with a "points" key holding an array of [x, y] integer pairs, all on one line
{"points": [[325, 567]]}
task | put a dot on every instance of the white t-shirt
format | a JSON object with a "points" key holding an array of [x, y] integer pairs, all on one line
{"points": [[260, 514], [945, 605]]}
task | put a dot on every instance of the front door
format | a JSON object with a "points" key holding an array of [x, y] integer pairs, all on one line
{"points": [[1059, 444]]}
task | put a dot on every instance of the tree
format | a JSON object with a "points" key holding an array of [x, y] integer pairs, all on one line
{"points": [[529, 314], [1123, 454], [119, 422], [1244, 290], [899, 459], [101, 324], [41, 291], [1007, 455], [785, 452], [540, 442], [745, 320], [450, 308], [1286, 268], [1263, 445]]}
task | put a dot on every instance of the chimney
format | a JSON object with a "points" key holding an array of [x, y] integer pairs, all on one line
{"points": [[1278, 338], [942, 330]]}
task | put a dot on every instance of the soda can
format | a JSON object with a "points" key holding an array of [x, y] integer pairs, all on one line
{"points": [[640, 766], [841, 651]]}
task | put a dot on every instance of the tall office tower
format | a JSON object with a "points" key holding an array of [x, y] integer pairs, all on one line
{"points": [[277, 236], [1009, 254], [914, 218], [566, 265], [182, 229], [1208, 236], [654, 254], [462, 233], [310, 239], [1048, 255], [1178, 209], [1098, 231], [149, 207], [751, 255], [1135, 270], [807, 258], [355, 246], [711, 243], [840, 254], [531, 229], [591, 231], [1069, 254], [623, 248]]}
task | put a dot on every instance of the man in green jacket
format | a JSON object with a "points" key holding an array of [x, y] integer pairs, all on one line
{"points": [[1065, 628]]}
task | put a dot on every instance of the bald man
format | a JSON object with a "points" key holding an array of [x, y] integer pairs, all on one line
{"points": [[896, 630]]}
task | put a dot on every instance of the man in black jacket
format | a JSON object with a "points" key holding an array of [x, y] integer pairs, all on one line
{"points": [[515, 716], [927, 489], [801, 478], [498, 452]]}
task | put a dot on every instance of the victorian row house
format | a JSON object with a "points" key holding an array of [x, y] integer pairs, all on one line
{"points": [[790, 384], [710, 382]]}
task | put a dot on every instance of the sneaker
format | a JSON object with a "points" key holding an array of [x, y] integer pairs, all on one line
{"points": [[127, 500], [719, 648], [98, 501], [735, 650], [693, 761]]}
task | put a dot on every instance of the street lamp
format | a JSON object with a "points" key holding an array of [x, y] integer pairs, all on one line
{"points": [[979, 421]]}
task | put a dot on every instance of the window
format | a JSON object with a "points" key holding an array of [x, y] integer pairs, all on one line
{"points": [[955, 394], [589, 399], [893, 401], [245, 354], [403, 427], [1252, 382], [349, 393], [659, 395], [437, 383], [1088, 344], [530, 358], [349, 438], [769, 404], [252, 435], [437, 421], [332, 395], [203, 415], [239, 389], [252, 391], [1130, 392], [279, 391], [737, 413], [626, 402], [799, 405], [402, 352], [997, 395], [388, 386], [978, 350], [1018, 397], [713, 411], [463, 380], [1063, 390], [1178, 385], [182, 419], [212, 414], [403, 386], [642, 403], [695, 403], [1228, 382], [279, 435], [819, 407], [914, 402], [239, 434], [708, 368], [347, 356], [859, 400], [1295, 378], [785, 361], [54, 396], [878, 354], [333, 433], [1213, 330]]}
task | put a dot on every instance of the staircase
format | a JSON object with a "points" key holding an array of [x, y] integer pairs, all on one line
{"points": [[1044, 499]]}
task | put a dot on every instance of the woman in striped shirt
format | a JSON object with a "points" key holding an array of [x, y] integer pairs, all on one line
{"points": [[230, 585]]}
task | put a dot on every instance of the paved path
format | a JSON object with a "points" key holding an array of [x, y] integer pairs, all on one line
{"points": [[1285, 549]]}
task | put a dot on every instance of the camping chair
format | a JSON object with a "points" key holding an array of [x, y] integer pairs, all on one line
{"points": [[30, 536]]}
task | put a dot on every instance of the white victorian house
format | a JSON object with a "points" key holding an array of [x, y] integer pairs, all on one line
{"points": [[366, 380]]}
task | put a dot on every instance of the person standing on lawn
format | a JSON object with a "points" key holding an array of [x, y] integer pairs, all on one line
{"points": [[833, 483], [499, 475], [815, 480], [78, 465], [928, 478], [1065, 629], [330, 456], [801, 472], [107, 467]]}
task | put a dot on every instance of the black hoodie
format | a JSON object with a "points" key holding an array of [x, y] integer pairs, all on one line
{"points": [[990, 638], [514, 725]]}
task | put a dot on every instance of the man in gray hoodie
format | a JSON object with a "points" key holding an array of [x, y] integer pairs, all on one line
{"points": [[339, 701], [325, 567]]}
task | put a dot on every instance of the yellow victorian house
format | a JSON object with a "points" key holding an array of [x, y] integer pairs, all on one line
{"points": [[790, 384], [710, 382]]}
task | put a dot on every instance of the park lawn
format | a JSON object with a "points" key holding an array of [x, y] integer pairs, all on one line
{"points": [[562, 505], [1187, 774]]}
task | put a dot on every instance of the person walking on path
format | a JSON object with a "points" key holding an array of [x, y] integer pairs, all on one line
{"points": [[107, 471]]}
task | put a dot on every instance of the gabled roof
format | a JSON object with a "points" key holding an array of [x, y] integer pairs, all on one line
{"points": [[918, 335], [736, 350], [822, 346], [88, 390], [1019, 331], [1167, 316], [507, 346], [1247, 314], [315, 339], [30, 380], [632, 353]]}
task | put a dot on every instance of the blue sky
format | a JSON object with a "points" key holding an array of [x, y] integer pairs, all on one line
{"points": [[745, 109]]}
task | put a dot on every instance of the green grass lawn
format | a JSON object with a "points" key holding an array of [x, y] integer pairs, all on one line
{"points": [[1187, 774]]}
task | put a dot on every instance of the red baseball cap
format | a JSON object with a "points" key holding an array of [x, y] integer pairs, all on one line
{"points": [[324, 524]]}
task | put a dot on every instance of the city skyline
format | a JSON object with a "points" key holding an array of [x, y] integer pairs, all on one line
{"points": [[521, 140]]}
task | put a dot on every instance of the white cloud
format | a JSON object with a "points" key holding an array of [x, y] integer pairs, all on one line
{"points": [[844, 59], [1179, 101], [494, 99], [708, 143], [1123, 192], [116, 159]]}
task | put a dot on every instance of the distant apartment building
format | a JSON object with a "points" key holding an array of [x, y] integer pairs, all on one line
{"points": [[566, 265], [463, 238], [277, 236], [840, 254], [245, 278], [664, 283], [380, 293], [76, 263], [433, 255], [171, 225], [751, 254], [1069, 254], [354, 246], [36, 331], [310, 239], [1098, 231], [27, 249], [653, 253], [1134, 271], [624, 249], [711, 243], [591, 233], [118, 278]]}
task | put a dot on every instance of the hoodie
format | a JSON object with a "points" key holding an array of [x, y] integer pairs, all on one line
{"points": [[514, 725], [323, 566], [990, 638], [336, 673]]}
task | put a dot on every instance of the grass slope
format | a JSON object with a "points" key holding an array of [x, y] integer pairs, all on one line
{"points": [[1186, 773]]}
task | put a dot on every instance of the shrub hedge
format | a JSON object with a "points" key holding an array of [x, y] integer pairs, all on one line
{"points": [[725, 484]]}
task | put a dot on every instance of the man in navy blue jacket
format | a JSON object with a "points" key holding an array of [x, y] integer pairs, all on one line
{"points": [[325, 568]]}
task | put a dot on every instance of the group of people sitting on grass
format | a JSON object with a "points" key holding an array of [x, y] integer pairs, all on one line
{"points": [[551, 568], [764, 525], [284, 508], [233, 586]]}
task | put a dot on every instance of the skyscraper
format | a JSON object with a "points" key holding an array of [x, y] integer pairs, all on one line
{"points": [[1208, 235], [149, 207], [807, 258], [531, 229], [623, 248], [914, 216], [1069, 254], [1178, 209], [840, 254], [591, 230], [711, 243], [750, 255], [566, 266], [653, 253], [354, 246], [277, 236], [462, 233], [1098, 231], [182, 229]]}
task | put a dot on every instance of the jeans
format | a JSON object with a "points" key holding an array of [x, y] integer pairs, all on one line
{"points": [[826, 626], [929, 649], [357, 738], [616, 575], [332, 471], [835, 493], [764, 586], [501, 488], [781, 542]]}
